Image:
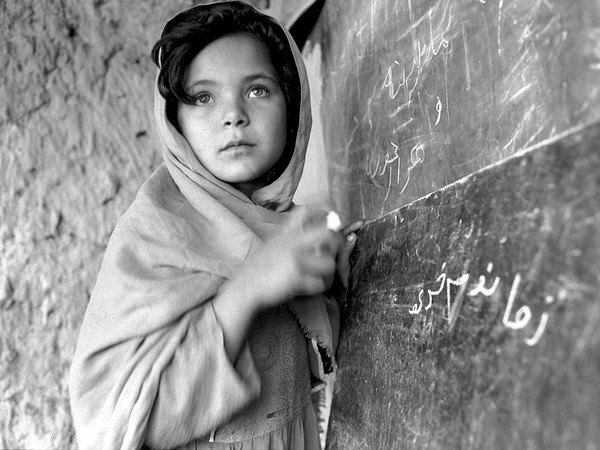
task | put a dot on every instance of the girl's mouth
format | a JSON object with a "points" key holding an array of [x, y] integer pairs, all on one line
{"points": [[237, 143]]}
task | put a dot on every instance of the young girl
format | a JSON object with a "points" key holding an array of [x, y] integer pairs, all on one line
{"points": [[214, 315]]}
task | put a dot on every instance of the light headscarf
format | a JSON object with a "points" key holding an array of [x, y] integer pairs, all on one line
{"points": [[185, 234]]}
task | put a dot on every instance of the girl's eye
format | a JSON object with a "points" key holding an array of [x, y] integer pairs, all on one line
{"points": [[258, 91], [202, 98]]}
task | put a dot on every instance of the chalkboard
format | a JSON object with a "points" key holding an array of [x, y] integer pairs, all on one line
{"points": [[420, 93], [473, 319]]}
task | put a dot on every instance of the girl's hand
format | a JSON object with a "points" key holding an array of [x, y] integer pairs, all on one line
{"points": [[300, 261], [343, 259]]}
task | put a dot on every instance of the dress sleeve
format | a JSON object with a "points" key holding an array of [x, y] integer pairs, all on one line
{"points": [[150, 364], [200, 388], [164, 388]]}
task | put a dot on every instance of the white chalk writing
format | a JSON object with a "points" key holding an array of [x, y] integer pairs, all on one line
{"points": [[517, 321], [391, 164], [400, 89]]}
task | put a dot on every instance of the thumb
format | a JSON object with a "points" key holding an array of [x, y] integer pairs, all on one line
{"points": [[348, 246], [344, 259]]}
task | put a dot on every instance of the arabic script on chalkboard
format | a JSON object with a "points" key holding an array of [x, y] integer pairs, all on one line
{"points": [[521, 318]]}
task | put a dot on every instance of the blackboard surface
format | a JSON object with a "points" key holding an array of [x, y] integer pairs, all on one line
{"points": [[420, 93], [473, 320]]}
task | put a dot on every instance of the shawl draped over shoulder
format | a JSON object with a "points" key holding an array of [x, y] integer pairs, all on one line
{"points": [[136, 375]]}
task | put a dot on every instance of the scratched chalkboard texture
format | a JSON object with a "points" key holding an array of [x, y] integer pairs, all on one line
{"points": [[474, 315], [419, 93]]}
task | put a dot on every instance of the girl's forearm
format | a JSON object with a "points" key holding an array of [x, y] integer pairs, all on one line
{"points": [[235, 308]]}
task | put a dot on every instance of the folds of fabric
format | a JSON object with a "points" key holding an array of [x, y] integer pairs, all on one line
{"points": [[150, 364]]}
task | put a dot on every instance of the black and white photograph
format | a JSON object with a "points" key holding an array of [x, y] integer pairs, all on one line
{"points": [[300, 225]]}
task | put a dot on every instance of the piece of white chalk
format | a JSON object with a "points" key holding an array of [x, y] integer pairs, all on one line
{"points": [[333, 221]]}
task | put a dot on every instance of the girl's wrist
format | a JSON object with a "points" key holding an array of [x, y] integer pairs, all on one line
{"points": [[242, 295], [257, 291]]}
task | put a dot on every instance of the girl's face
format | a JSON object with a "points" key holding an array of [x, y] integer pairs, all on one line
{"points": [[237, 126]]}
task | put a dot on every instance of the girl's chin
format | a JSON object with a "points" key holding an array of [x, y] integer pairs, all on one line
{"points": [[248, 186]]}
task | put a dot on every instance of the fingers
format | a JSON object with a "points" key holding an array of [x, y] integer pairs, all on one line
{"points": [[343, 259], [352, 228], [318, 265], [306, 218], [348, 247], [321, 241], [320, 251], [318, 273], [349, 232]]}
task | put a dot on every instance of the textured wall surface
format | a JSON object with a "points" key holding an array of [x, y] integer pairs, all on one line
{"points": [[76, 142]]}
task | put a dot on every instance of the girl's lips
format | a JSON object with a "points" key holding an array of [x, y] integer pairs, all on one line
{"points": [[237, 143]]}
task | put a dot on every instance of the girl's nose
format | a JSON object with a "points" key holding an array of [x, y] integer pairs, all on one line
{"points": [[235, 115]]}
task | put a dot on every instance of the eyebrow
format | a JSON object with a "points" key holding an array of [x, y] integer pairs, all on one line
{"points": [[246, 79]]}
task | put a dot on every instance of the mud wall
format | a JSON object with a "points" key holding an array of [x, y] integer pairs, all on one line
{"points": [[76, 142]]}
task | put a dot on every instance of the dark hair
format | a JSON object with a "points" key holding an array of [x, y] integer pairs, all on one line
{"points": [[189, 32]]}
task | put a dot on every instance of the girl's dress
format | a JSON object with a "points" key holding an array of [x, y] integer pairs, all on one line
{"points": [[150, 368]]}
